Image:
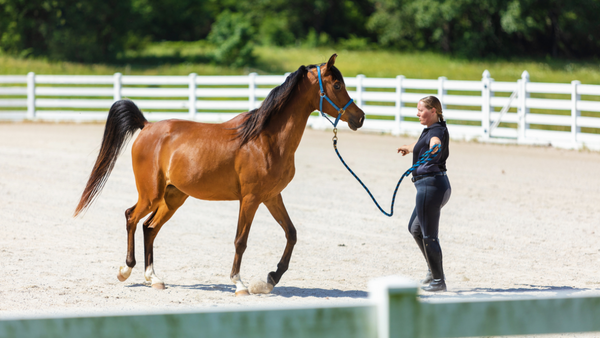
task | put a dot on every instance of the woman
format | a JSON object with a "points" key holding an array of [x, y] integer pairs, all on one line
{"points": [[433, 189]]}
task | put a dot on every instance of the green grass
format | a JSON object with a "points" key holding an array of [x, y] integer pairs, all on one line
{"points": [[182, 58], [432, 66]]}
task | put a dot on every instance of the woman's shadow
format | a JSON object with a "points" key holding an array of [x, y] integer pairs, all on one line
{"points": [[527, 291]]}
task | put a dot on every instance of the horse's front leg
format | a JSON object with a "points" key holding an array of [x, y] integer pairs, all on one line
{"points": [[278, 211], [248, 206]]}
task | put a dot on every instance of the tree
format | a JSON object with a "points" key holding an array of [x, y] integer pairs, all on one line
{"points": [[175, 20], [483, 28], [284, 22], [554, 27], [76, 30]]}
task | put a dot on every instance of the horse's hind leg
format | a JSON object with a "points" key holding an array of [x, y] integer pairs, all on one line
{"points": [[132, 216], [173, 199], [278, 211]]}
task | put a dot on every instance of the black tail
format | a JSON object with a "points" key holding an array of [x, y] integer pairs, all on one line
{"points": [[124, 119]]}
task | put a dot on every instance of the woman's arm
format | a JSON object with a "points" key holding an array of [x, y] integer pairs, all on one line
{"points": [[407, 149], [434, 140]]}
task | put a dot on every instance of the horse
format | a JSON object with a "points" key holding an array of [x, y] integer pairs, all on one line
{"points": [[249, 158]]}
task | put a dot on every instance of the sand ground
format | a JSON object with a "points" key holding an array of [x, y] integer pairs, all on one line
{"points": [[522, 221]]}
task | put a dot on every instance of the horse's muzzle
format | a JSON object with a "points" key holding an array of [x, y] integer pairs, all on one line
{"points": [[356, 121]]}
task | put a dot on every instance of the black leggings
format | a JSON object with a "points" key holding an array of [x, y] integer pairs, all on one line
{"points": [[433, 193]]}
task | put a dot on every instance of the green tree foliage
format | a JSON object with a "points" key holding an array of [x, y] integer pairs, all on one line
{"points": [[554, 27], [101, 30], [175, 20], [77, 30], [284, 22], [481, 28], [233, 36]]}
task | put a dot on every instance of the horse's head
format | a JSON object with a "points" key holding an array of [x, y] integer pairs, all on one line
{"points": [[332, 88]]}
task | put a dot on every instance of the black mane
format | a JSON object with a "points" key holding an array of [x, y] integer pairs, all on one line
{"points": [[258, 118]]}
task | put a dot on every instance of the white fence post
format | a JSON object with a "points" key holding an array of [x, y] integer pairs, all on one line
{"points": [[192, 96], [359, 89], [252, 91], [575, 130], [441, 91], [523, 110], [395, 297], [399, 105], [486, 104], [31, 96], [117, 84]]}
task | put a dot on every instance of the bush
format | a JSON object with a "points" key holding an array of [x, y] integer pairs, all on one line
{"points": [[354, 43], [275, 31], [232, 34], [314, 40]]}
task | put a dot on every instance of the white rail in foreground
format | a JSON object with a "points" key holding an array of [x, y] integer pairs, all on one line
{"points": [[393, 310], [564, 115]]}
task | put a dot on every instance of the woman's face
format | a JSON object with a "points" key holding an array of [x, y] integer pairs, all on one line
{"points": [[427, 117]]}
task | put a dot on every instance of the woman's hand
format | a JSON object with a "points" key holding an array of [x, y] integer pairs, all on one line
{"points": [[404, 150]]}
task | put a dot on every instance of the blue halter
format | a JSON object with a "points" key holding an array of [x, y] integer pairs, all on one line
{"points": [[341, 111]]}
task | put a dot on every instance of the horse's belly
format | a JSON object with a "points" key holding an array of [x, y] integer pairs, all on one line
{"points": [[214, 195], [211, 189]]}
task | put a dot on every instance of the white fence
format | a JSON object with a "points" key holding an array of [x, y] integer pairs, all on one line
{"points": [[564, 115], [393, 310]]}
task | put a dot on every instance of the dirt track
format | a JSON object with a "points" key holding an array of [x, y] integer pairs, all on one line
{"points": [[521, 221]]}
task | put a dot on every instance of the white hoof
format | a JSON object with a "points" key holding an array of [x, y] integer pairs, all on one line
{"points": [[124, 273], [158, 286], [242, 293], [151, 277], [258, 286], [240, 288]]}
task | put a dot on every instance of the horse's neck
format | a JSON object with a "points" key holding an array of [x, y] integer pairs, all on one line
{"points": [[287, 127]]}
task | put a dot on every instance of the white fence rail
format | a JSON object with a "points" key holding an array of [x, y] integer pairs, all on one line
{"points": [[393, 310], [564, 115]]}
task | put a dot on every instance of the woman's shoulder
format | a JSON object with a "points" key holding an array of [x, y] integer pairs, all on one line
{"points": [[438, 128]]}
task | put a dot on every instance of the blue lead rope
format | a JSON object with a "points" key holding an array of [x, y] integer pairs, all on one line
{"points": [[426, 157]]}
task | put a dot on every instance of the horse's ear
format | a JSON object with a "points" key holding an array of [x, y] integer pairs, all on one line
{"points": [[331, 61]]}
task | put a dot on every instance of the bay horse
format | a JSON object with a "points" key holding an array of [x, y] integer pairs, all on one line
{"points": [[249, 158]]}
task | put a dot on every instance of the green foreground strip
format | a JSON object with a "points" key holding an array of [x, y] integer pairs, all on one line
{"points": [[352, 321], [410, 317], [511, 317], [393, 310]]}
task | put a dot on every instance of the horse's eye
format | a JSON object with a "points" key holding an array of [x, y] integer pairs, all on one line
{"points": [[336, 86]]}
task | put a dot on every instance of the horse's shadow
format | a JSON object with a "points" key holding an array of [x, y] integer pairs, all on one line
{"points": [[289, 291], [282, 291], [527, 291]]}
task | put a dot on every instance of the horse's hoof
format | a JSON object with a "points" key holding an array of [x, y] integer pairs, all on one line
{"points": [[259, 286], [123, 276], [242, 293], [158, 286]]}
